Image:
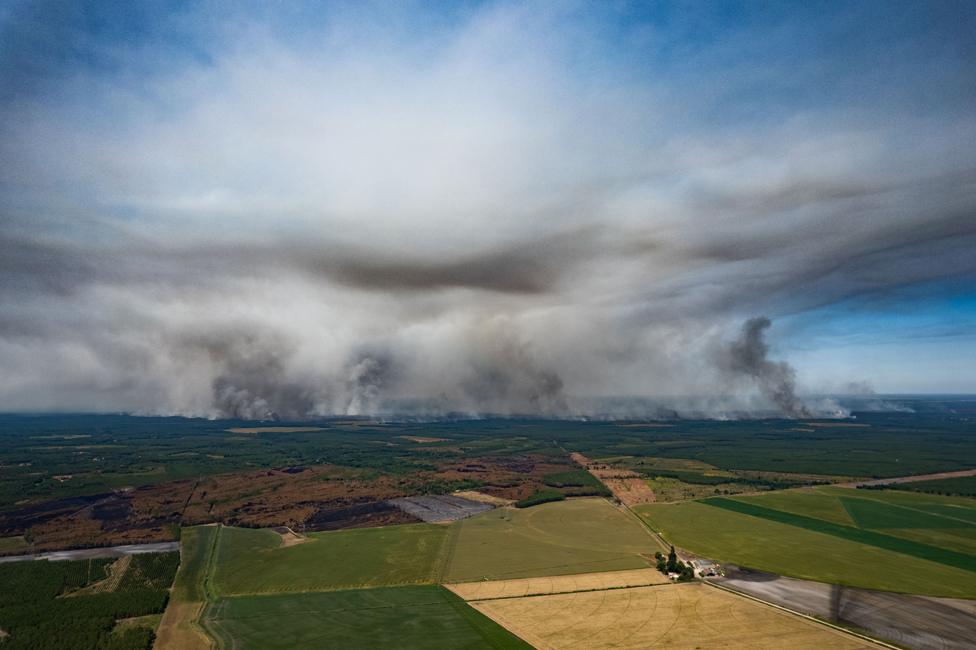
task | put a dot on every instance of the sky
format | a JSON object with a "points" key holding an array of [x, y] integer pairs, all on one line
{"points": [[294, 209]]}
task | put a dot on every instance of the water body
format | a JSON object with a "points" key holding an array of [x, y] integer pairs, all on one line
{"points": [[92, 553]]}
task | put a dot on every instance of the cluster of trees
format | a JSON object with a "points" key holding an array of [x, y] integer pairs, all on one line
{"points": [[671, 564], [542, 496], [576, 483], [38, 610]]}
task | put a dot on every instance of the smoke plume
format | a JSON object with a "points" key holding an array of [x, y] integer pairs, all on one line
{"points": [[748, 357]]}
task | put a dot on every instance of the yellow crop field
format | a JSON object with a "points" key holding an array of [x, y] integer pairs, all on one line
{"points": [[557, 584], [678, 617]]}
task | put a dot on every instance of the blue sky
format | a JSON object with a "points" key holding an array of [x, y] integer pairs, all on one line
{"points": [[233, 208]]}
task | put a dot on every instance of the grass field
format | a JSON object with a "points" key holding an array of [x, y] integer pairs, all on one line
{"points": [[873, 512], [947, 523], [666, 616], [254, 562], [962, 485], [521, 587], [180, 628], [15, 544], [415, 617], [196, 556], [573, 536], [776, 547]]}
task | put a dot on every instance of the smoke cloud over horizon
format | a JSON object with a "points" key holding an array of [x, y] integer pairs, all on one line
{"points": [[228, 210]]}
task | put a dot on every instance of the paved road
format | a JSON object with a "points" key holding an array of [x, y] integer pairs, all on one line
{"points": [[921, 622], [89, 553]]}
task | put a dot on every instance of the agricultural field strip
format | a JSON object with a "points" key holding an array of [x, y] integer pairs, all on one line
{"points": [[869, 537], [968, 522], [619, 619], [523, 587]]}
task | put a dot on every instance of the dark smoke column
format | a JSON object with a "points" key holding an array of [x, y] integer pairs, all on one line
{"points": [[776, 379]]}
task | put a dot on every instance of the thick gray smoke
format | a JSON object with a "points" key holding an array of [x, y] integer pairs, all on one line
{"points": [[501, 207], [748, 357]]}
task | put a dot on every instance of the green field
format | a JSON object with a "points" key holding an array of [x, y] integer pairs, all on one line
{"points": [[415, 617], [793, 550], [573, 536], [11, 545], [961, 486], [860, 534], [946, 523], [252, 561], [196, 554]]}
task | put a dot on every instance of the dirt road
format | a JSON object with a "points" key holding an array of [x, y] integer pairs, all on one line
{"points": [[90, 553], [912, 479]]}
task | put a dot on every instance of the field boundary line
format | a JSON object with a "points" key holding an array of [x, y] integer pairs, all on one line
{"points": [[802, 615], [658, 537], [445, 556], [574, 591]]}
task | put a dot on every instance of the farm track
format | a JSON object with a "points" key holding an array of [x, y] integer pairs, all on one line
{"points": [[963, 473]]}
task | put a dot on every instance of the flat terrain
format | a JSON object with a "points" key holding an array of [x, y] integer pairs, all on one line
{"points": [[418, 617], [668, 616], [785, 549], [932, 520], [566, 537], [255, 562], [521, 587], [920, 622]]}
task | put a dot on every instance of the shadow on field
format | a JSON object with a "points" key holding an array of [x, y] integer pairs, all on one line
{"points": [[911, 621]]}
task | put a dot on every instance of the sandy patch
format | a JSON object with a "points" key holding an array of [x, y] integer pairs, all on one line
{"points": [[289, 537]]}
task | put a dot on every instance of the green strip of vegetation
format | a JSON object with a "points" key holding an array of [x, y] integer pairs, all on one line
{"points": [[871, 538], [542, 496]]}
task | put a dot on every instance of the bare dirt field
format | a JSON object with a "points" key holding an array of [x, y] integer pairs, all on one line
{"points": [[440, 508], [630, 491], [679, 617], [422, 439], [474, 495], [627, 486], [288, 536], [557, 584], [911, 621]]}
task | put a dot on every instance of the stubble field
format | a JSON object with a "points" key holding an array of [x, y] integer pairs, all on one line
{"points": [[668, 616]]}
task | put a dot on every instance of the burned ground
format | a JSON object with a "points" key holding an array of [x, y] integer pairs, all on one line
{"points": [[316, 497]]}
